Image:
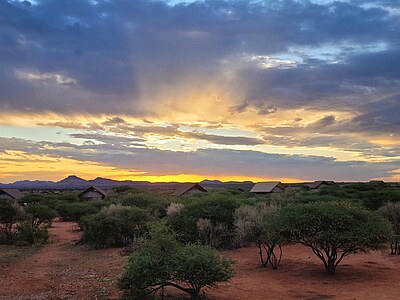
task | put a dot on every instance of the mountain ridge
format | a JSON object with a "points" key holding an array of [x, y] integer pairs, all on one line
{"points": [[75, 182]]}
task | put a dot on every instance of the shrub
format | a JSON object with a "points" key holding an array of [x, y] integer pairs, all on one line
{"points": [[40, 215], [27, 234], [146, 200], [174, 208], [334, 230], [10, 215], [219, 210], [212, 235], [161, 262], [75, 211], [114, 226], [260, 225], [247, 224], [391, 211], [125, 188]]}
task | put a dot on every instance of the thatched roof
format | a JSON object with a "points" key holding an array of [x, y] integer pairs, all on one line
{"points": [[13, 193], [266, 187], [186, 187], [94, 189]]}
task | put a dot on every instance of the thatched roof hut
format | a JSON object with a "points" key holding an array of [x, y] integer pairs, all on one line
{"points": [[93, 193]]}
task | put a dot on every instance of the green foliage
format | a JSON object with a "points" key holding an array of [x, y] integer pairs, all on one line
{"points": [[150, 201], [369, 195], [21, 226], [261, 225], [391, 211], [247, 223], [27, 234], [10, 214], [40, 215], [114, 226], [334, 230], [76, 210], [199, 266], [125, 189], [218, 210], [161, 261]]}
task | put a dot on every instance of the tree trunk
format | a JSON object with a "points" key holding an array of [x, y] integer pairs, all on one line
{"points": [[330, 267]]}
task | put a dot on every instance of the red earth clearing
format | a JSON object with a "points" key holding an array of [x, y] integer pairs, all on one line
{"points": [[63, 270]]}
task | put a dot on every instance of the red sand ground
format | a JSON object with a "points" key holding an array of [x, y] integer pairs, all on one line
{"points": [[62, 270]]}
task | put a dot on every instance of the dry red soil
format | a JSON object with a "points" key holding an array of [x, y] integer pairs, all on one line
{"points": [[63, 270]]}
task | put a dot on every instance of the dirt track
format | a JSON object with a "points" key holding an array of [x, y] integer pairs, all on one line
{"points": [[62, 270]]}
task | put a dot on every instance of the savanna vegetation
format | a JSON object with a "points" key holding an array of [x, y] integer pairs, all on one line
{"points": [[173, 240]]}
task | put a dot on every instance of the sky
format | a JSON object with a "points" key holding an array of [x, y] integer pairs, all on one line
{"points": [[289, 90]]}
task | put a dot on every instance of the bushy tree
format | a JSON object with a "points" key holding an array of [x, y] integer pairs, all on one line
{"points": [[214, 235], [334, 230], [114, 226], [248, 220], [150, 201], [40, 215], [161, 261], [217, 209], [10, 215], [199, 267], [260, 225], [391, 211], [75, 211]]}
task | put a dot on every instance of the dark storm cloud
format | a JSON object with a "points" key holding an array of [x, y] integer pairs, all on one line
{"points": [[102, 56]]}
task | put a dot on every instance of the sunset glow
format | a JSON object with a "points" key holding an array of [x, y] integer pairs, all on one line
{"points": [[183, 91]]}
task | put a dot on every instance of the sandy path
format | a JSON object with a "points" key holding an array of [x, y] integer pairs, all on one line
{"points": [[62, 270]]}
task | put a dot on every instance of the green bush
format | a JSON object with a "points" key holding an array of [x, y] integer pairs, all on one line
{"points": [[26, 233], [261, 225], [219, 211], [391, 211], [10, 215], [161, 261], [114, 226], [75, 211], [40, 215], [152, 202]]}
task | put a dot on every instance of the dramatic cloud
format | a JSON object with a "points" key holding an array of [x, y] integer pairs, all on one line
{"points": [[221, 82]]}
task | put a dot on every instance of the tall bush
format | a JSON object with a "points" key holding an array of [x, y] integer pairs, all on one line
{"points": [[114, 226]]}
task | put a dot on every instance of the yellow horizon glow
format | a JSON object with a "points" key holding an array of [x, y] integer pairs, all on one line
{"points": [[17, 165]]}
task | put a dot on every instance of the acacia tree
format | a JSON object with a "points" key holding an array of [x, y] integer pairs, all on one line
{"points": [[334, 230], [391, 211]]}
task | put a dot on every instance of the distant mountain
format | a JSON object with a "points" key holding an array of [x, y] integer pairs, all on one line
{"points": [[71, 180], [29, 184], [75, 182]]}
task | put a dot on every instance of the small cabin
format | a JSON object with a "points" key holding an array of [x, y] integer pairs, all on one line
{"points": [[93, 193], [11, 194], [188, 189], [316, 185], [262, 188]]}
